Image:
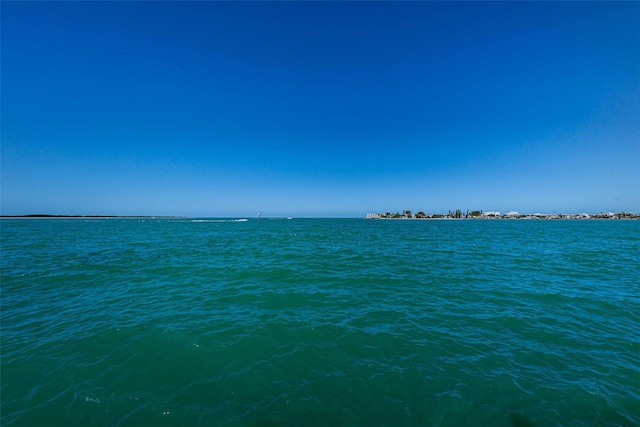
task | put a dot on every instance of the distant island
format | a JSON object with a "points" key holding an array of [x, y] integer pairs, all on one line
{"points": [[458, 214], [92, 216]]}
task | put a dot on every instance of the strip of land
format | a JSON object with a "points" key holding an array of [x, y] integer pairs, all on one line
{"points": [[458, 214], [35, 216]]}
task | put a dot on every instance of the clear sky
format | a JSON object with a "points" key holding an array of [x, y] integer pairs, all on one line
{"points": [[319, 108]]}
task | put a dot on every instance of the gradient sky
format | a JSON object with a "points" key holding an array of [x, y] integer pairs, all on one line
{"points": [[319, 108]]}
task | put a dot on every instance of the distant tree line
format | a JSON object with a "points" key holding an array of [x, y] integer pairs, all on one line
{"points": [[457, 214]]}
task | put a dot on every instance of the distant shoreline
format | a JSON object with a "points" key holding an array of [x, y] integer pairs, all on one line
{"points": [[475, 215], [46, 216], [375, 216], [529, 217]]}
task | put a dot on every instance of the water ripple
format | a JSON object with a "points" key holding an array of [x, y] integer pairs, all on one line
{"points": [[320, 322]]}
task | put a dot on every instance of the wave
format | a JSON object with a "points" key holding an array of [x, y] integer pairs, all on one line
{"points": [[220, 220]]}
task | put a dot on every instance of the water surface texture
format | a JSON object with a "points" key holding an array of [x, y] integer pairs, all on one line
{"points": [[131, 322]]}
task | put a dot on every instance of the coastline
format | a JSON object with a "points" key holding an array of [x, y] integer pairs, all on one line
{"points": [[530, 218], [375, 216], [509, 216], [45, 216]]}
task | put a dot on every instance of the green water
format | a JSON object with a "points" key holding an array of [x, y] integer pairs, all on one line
{"points": [[320, 322]]}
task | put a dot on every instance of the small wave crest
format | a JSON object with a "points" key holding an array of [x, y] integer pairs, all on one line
{"points": [[220, 220]]}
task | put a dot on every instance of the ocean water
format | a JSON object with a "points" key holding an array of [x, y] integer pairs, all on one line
{"points": [[320, 322]]}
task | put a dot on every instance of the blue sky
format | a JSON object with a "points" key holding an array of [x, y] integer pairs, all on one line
{"points": [[319, 108]]}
